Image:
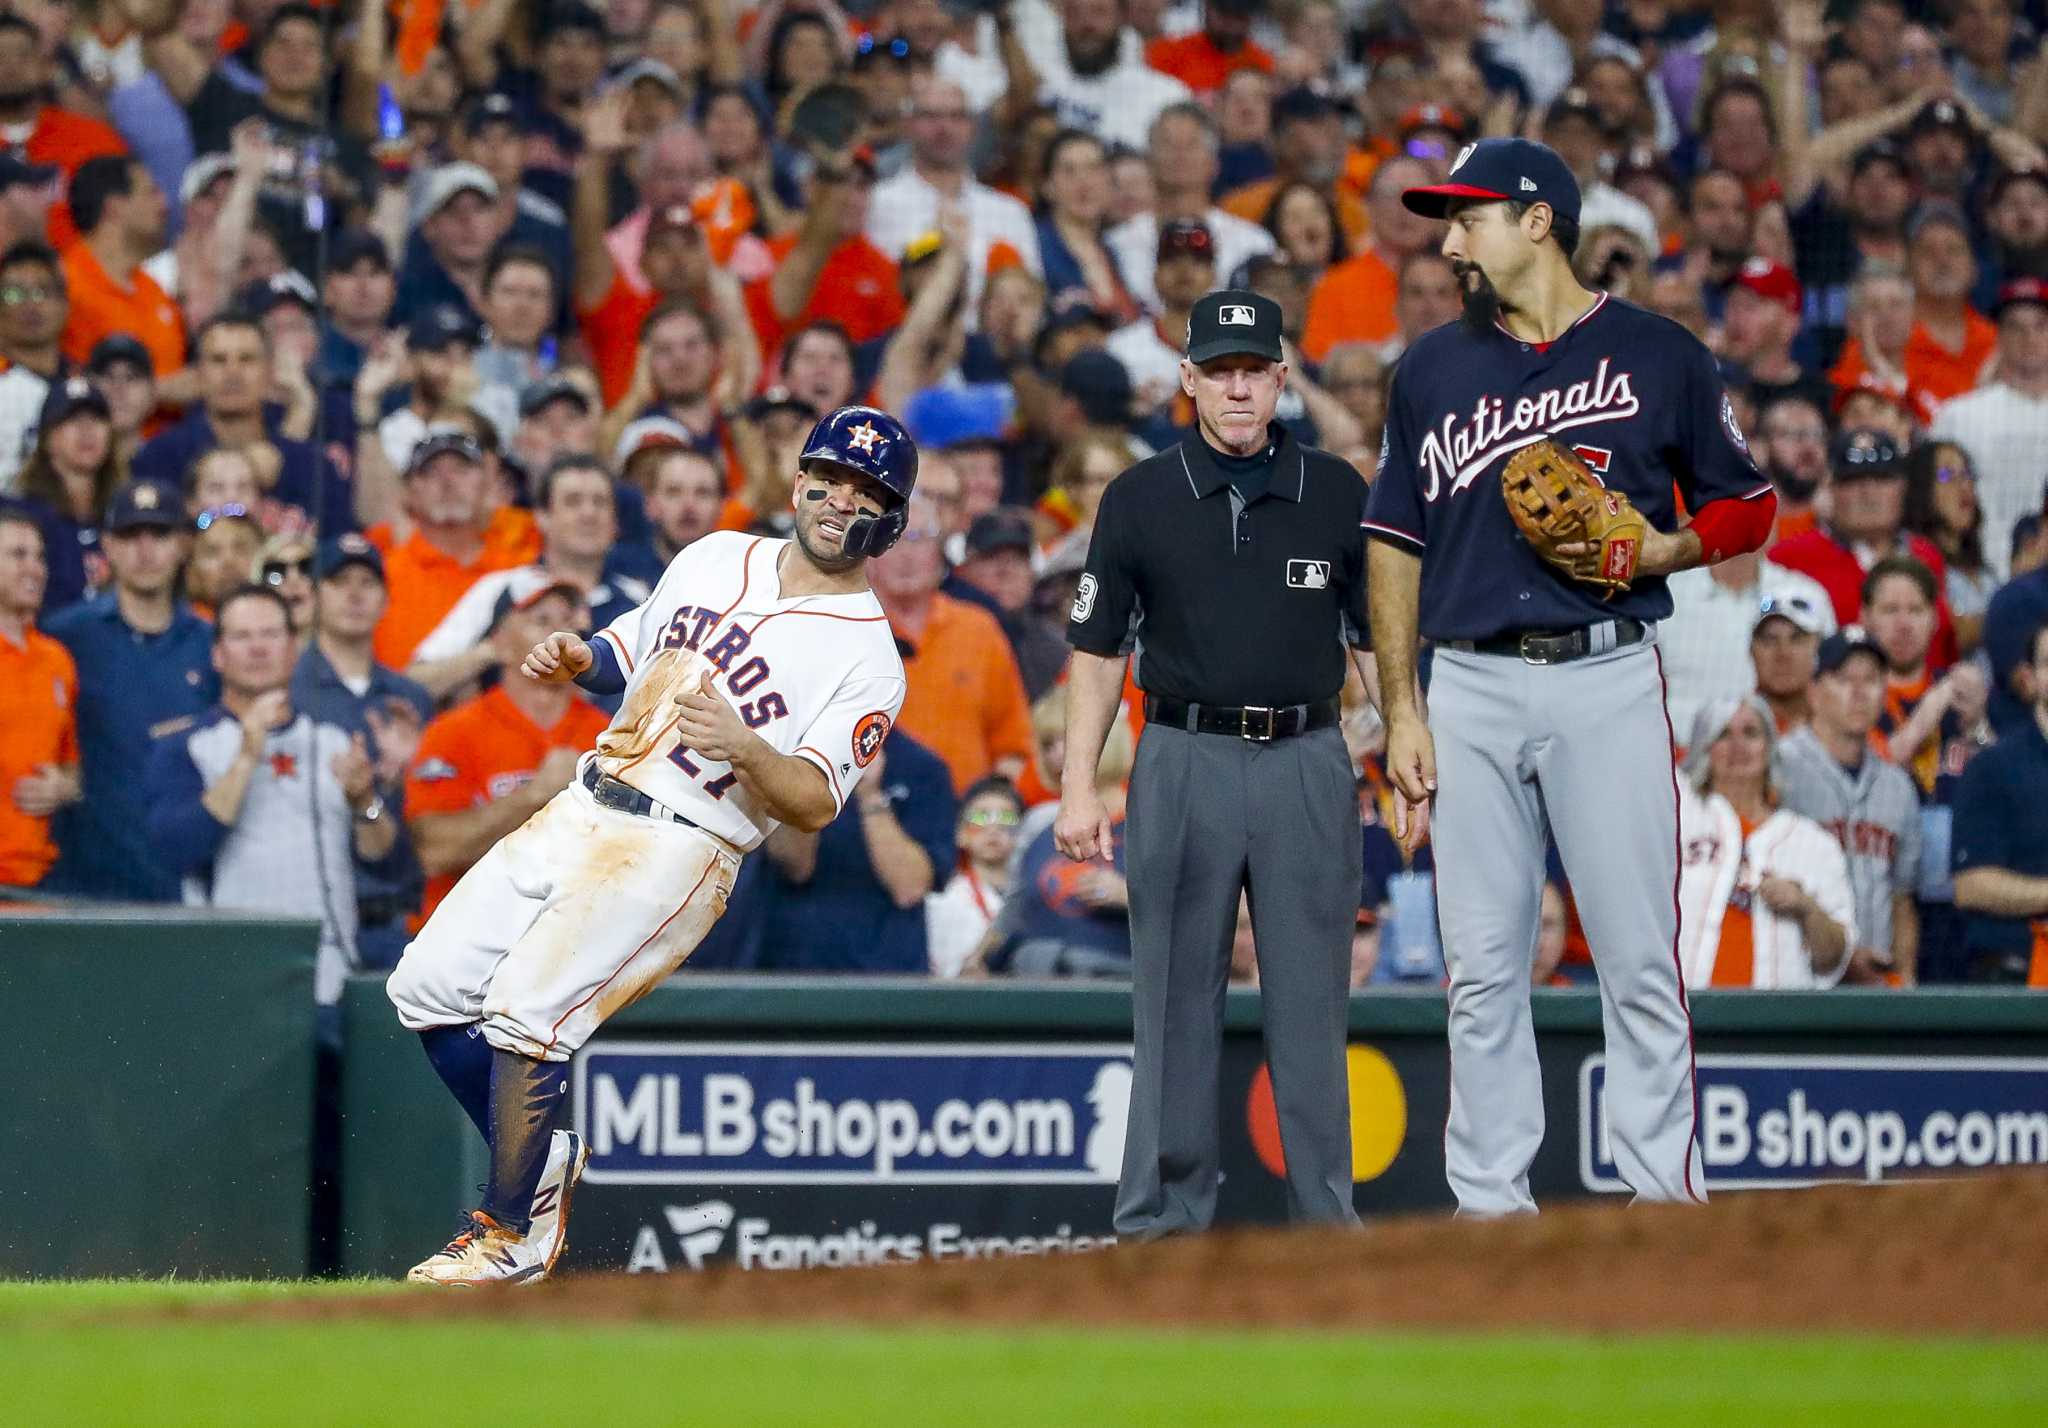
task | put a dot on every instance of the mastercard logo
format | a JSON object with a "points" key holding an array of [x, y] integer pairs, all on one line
{"points": [[1379, 1115]]}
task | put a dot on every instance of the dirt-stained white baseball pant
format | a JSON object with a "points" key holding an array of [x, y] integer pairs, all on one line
{"points": [[574, 914], [1587, 744]]}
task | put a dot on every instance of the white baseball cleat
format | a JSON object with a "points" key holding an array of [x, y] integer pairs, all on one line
{"points": [[482, 1252], [549, 1231]]}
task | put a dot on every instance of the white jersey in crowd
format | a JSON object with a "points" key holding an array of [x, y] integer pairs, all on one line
{"points": [[817, 676], [907, 207], [2002, 429], [1715, 865], [956, 919]]}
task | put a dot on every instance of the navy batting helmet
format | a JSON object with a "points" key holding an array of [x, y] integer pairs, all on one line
{"points": [[870, 441]]}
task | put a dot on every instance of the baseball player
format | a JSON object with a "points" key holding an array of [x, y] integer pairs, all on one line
{"points": [[760, 679], [1523, 519]]}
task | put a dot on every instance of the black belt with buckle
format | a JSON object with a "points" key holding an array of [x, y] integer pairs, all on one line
{"points": [[1255, 722], [622, 796], [1559, 646]]}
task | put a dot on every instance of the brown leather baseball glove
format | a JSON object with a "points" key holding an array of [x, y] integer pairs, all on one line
{"points": [[1556, 501]]}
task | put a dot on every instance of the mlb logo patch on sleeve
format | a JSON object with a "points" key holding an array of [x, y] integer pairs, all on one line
{"points": [[1308, 574]]}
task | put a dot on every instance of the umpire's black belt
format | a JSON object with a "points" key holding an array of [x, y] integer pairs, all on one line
{"points": [[1253, 721], [618, 794], [1558, 646]]}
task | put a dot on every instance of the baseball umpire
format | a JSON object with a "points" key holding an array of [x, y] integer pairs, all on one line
{"points": [[1233, 563], [1524, 520]]}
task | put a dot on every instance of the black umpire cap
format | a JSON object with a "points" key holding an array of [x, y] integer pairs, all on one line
{"points": [[1234, 322], [1518, 170]]}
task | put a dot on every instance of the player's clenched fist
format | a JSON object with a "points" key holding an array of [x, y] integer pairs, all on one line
{"points": [[709, 725], [557, 659]]}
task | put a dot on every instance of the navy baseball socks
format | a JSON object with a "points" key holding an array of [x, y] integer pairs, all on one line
{"points": [[528, 1102], [462, 1059]]}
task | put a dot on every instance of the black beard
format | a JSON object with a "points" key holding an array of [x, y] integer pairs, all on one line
{"points": [[1482, 304], [1799, 489], [1088, 64]]}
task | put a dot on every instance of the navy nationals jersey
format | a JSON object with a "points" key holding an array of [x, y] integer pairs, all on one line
{"points": [[1636, 395]]}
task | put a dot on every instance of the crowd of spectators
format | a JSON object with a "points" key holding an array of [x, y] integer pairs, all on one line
{"points": [[345, 349]]}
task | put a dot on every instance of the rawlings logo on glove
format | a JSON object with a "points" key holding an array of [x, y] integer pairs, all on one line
{"points": [[1555, 502]]}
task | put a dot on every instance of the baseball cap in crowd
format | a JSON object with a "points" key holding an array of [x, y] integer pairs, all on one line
{"points": [[1100, 386], [200, 174], [1849, 640], [1864, 453], [14, 169], [1574, 103], [555, 387], [652, 70], [1938, 210], [68, 398], [1234, 322], [2014, 292], [1519, 170], [451, 179], [145, 505], [1302, 103], [1771, 281], [2006, 178], [112, 351], [782, 399], [1186, 235], [442, 443], [350, 246], [999, 530], [648, 432], [1795, 609], [950, 417], [1881, 151], [441, 326], [1434, 116], [571, 15], [345, 550], [261, 298], [492, 109], [1939, 113], [527, 588], [1643, 161]]}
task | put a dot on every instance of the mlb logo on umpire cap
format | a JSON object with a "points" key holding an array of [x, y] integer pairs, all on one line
{"points": [[1234, 323], [1235, 316]]}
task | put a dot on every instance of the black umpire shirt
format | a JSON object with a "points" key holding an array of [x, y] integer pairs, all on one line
{"points": [[1228, 601]]}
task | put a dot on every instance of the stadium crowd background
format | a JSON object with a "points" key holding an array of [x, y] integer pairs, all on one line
{"points": [[263, 266]]}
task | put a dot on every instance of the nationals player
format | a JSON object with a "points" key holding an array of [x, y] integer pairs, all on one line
{"points": [[760, 678], [1546, 701]]}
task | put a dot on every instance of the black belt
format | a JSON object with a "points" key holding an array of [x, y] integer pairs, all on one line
{"points": [[1254, 722], [618, 794], [1559, 646]]}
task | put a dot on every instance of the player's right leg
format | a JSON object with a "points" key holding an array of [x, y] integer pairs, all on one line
{"points": [[1487, 833]]}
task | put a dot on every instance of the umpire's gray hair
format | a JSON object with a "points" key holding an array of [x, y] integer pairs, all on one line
{"points": [[1712, 722]]}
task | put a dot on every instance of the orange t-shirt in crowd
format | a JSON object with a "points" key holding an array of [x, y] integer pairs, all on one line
{"points": [[964, 699], [1735, 962], [511, 537], [41, 728], [482, 750], [1251, 202], [102, 307], [1932, 370], [1195, 60], [1352, 302], [425, 582], [612, 331], [66, 140], [857, 289]]}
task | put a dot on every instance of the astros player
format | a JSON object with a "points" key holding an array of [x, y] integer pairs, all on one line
{"points": [[760, 679], [1546, 701]]}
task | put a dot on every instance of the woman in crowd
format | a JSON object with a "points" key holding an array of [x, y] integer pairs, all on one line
{"points": [[1306, 229], [1763, 892], [227, 547], [66, 484], [1073, 210], [285, 564], [1941, 504], [1080, 474], [957, 918]]}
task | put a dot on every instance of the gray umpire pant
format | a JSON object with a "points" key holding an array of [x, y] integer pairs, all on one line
{"points": [[1210, 815]]}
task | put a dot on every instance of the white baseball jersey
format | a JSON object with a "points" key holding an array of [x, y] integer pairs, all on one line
{"points": [[817, 676], [1716, 866]]}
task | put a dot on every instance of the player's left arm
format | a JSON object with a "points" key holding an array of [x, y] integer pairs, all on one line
{"points": [[1732, 502]]}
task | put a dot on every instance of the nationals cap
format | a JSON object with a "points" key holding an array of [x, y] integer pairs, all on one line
{"points": [[1518, 170], [1234, 323]]}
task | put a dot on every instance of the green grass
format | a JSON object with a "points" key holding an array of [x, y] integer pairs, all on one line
{"points": [[69, 1354]]}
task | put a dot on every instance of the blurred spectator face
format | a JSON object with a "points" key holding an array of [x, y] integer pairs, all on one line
{"points": [[649, 105], [519, 304], [288, 569], [680, 357], [732, 132], [1872, 33], [1869, 508], [1428, 295], [1739, 135], [1077, 182], [1742, 751], [292, 61], [1301, 226], [939, 482], [571, 61], [520, 630], [1678, 297], [924, 24], [1783, 655], [915, 565], [448, 492], [25, 207], [1883, 306], [819, 368], [675, 260], [223, 556], [1550, 936], [1848, 700], [1091, 29], [361, 296], [560, 428], [1352, 373], [941, 124], [1244, 109], [291, 331], [1394, 228], [223, 477], [1754, 327], [1901, 619], [1795, 443], [1955, 488], [677, 164], [1848, 90], [988, 828], [433, 370], [1013, 307], [1940, 160], [1101, 465], [1720, 217], [130, 390], [981, 479], [1182, 277], [1940, 263], [685, 497], [1002, 575], [262, 257], [499, 149], [2023, 342], [1183, 155], [81, 444], [1921, 64], [352, 601], [464, 230], [1578, 142], [24, 72], [1288, 286], [1311, 150], [144, 561], [252, 645], [806, 58], [2019, 219], [23, 571], [580, 519], [33, 306], [1443, 19], [1982, 31], [1130, 187], [675, 37], [1617, 92], [1880, 195], [431, 95], [1873, 409]]}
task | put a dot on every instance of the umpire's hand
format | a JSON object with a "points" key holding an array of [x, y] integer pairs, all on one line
{"points": [[557, 659], [1082, 830]]}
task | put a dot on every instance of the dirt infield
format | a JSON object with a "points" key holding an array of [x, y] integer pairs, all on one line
{"points": [[1967, 1256]]}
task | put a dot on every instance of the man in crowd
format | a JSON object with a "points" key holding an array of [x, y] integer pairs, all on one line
{"points": [[1708, 641], [121, 213], [44, 133], [685, 494], [2001, 424], [445, 495], [1833, 776], [143, 659], [2001, 845], [1204, 58], [1760, 324], [1096, 85], [1354, 300], [1784, 644], [1308, 147], [39, 737], [1792, 449], [998, 565], [1151, 347], [33, 311], [359, 291], [1183, 154], [460, 223]]}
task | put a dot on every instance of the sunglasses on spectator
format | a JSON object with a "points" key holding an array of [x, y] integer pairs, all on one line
{"points": [[15, 294], [233, 511], [274, 571], [991, 818]]}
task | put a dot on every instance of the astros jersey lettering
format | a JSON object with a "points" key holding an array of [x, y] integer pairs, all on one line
{"points": [[817, 676], [1636, 395]]}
